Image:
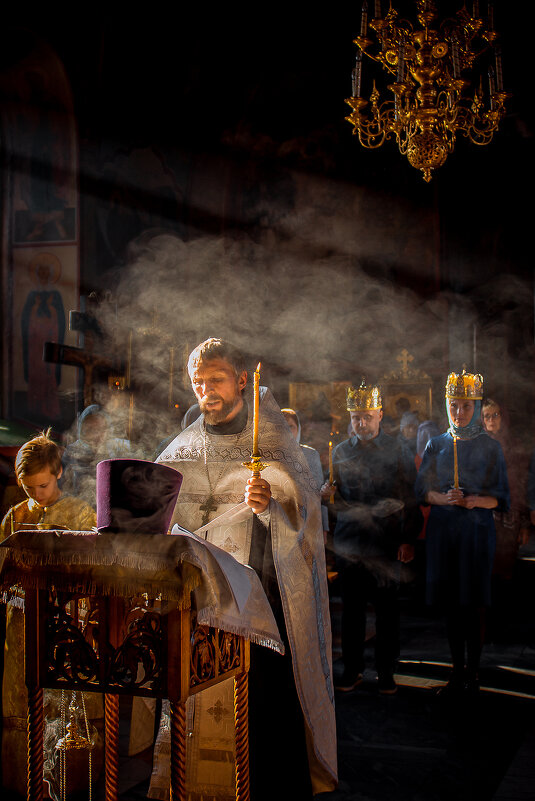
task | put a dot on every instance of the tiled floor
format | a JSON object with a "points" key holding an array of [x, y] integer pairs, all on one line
{"points": [[414, 746]]}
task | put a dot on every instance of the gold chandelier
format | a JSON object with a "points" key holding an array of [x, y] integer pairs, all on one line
{"points": [[435, 96]]}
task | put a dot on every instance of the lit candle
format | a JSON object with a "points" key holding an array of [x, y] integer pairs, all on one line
{"points": [[455, 465], [256, 404], [331, 473]]}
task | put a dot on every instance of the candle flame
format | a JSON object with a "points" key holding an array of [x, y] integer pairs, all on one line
{"points": [[258, 366]]}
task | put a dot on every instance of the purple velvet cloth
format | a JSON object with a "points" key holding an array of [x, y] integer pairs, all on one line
{"points": [[135, 496]]}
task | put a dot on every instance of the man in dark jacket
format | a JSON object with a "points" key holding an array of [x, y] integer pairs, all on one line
{"points": [[377, 522]]}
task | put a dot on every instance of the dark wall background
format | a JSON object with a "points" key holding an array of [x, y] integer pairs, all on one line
{"points": [[222, 192]]}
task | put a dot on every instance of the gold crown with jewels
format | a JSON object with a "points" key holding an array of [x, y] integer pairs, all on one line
{"points": [[465, 385], [363, 399]]}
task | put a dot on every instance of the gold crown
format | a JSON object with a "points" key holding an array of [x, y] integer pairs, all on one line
{"points": [[465, 385], [363, 398]]}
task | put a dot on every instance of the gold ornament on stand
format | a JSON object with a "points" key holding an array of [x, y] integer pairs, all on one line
{"points": [[74, 748], [437, 92]]}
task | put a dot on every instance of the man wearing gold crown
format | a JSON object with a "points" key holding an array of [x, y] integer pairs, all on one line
{"points": [[377, 522], [463, 478], [272, 523]]}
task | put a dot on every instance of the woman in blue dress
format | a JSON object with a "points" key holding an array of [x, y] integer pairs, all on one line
{"points": [[463, 478]]}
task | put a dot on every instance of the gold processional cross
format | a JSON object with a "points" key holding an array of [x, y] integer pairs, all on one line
{"points": [[404, 358]]}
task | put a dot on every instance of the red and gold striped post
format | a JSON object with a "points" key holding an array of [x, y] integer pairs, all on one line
{"points": [[241, 722], [111, 729], [177, 712], [36, 722]]}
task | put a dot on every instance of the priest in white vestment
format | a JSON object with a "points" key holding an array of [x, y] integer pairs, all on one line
{"points": [[273, 523]]}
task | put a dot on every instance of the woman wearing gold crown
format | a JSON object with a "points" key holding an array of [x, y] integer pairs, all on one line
{"points": [[463, 478]]}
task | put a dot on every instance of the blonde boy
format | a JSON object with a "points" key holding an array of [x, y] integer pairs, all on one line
{"points": [[38, 470]]}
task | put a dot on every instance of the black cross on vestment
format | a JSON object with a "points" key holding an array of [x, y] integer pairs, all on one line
{"points": [[207, 507]]}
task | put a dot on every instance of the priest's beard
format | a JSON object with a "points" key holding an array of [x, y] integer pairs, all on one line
{"points": [[215, 416]]}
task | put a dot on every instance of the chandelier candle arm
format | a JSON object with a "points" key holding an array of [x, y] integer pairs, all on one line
{"points": [[364, 19], [357, 74]]}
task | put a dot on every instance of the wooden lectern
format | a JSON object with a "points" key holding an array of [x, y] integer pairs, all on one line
{"points": [[120, 640]]}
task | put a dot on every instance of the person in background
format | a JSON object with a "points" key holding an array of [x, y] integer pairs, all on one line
{"points": [[463, 478], [313, 460], [377, 522], [426, 431], [408, 428], [96, 441], [512, 527], [389, 425]]}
